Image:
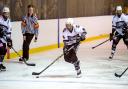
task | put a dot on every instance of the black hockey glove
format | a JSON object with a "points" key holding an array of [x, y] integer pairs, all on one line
{"points": [[35, 40], [9, 43], [111, 36], [78, 39], [1, 33], [125, 29]]}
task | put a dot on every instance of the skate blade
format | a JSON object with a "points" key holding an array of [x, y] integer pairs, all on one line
{"points": [[110, 58], [79, 76], [2, 69]]}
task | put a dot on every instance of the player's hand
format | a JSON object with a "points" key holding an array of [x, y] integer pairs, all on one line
{"points": [[78, 39], [65, 49], [9, 43], [111, 36], [24, 38], [35, 40]]}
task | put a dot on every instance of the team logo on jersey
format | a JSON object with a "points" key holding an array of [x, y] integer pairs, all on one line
{"points": [[71, 38], [120, 24]]}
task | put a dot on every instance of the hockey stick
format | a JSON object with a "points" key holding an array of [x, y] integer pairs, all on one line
{"points": [[101, 43], [117, 75], [38, 73], [29, 64]]}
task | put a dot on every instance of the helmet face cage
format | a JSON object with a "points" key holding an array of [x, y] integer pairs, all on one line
{"points": [[69, 26], [6, 14]]}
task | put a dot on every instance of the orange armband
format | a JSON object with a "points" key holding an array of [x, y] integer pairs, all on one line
{"points": [[23, 23], [36, 26]]}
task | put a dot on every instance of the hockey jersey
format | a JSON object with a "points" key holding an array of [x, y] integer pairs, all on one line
{"points": [[70, 38], [7, 28], [119, 22]]}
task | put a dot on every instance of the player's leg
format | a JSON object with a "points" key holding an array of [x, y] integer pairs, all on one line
{"points": [[2, 54], [72, 58], [76, 63], [125, 39], [114, 44]]}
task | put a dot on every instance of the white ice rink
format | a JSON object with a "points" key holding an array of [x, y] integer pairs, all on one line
{"points": [[97, 71]]}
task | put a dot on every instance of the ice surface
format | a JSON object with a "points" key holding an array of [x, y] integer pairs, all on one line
{"points": [[97, 70]]}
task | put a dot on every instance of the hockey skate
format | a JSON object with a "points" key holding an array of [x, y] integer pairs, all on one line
{"points": [[22, 59], [2, 67], [78, 73], [111, 56], [77, 68]]}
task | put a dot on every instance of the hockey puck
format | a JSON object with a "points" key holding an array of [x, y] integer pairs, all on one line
{"points": [[37, 76]]}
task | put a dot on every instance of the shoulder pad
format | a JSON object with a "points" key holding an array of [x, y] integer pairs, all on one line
{"points": [[64, 30], [77, 26], [35, 17], [83, 29], [24, 17], [114, 16]]}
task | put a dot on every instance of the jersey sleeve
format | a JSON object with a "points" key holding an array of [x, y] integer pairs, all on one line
{"points": [[6, 26], [23, 24], [9, 31], [81, 31], [125, 18], [65, 38], [36, 25], [114, 22]]}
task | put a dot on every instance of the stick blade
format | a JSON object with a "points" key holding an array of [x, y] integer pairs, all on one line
{"points": [[28, 64], [35, 73], [117, 75], [93, 47], [32, 64]]}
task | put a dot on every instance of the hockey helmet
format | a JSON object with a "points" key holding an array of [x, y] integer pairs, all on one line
{"points": [[118, 8], [70, 21], [6, 10]]}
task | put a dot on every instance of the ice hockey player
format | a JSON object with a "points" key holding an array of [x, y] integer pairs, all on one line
{"points": [[29, 28], [72, 35], [5, 35], [119, 30]]}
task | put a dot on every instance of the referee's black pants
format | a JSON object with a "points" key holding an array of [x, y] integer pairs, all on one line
{"points": [[26, 44]]}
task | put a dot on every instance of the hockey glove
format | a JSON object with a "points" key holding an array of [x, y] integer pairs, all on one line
{"points": [[1, 33], [9, 43], [111, 36], [65, 49], [35, 40], [78, 39]]}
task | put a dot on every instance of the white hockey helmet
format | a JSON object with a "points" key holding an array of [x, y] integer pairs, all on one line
{"points": [[6, 9], [70, 21], [118, 8]]}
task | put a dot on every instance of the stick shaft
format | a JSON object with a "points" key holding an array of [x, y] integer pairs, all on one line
{"points": [[100, 43]]}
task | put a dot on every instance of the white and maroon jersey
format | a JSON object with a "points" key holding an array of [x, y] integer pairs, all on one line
{"points": [[70, 38], [118, 23], [7, 28]]}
